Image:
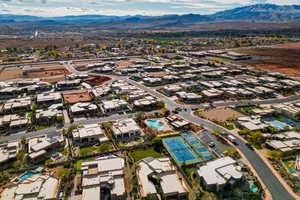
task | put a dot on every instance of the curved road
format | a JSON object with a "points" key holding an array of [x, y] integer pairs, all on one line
{"points": [[276, 189]]}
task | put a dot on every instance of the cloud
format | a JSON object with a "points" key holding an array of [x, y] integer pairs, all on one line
{"points": [[125, 7]]}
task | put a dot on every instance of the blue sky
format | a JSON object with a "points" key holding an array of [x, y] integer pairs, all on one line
{"points": [[125, 7]]}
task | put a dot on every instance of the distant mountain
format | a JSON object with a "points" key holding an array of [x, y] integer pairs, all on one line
{"points": [[262, 13]]}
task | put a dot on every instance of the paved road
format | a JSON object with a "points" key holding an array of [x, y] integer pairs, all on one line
{"points": [[54, 130], [277, 191]]}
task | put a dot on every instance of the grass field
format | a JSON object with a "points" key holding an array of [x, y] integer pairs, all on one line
{"points": [[144, 153]]}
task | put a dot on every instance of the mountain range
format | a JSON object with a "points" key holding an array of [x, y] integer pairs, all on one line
{"points": [[258, 12]]}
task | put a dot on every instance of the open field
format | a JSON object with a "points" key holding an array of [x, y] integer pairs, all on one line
{"points": [[282, 58], [97, 80], [220, 114], [75, 97], [8, 74], [44, 72]]}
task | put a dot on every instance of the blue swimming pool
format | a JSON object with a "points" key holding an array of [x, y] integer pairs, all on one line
{"points": [[155, 123], [253, 188], [290, 122], [25, 175], [276, 123]]}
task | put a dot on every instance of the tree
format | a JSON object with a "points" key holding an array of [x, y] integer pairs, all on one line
{"points": [[165, 112], [275, 154], [157, 144]]}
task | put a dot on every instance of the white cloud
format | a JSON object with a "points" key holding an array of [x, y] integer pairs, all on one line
{"points": [[125, 7]]}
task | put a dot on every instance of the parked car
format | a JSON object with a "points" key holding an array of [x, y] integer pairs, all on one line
{"points": [[250, 146]]}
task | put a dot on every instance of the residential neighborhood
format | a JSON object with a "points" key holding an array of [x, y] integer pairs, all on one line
{"points": [[185, 125]]}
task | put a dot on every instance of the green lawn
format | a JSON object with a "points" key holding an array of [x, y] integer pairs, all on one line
{"points": [[105, 147], [87, 150], [79, 162], [41, 127], [144, 153]]}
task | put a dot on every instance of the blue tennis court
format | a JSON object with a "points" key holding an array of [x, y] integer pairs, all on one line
{"points": [[197, 146], [180, 151]]}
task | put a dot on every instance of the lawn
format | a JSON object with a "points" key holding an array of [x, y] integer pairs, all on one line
{"points": [[105, 147], [86, 150], [79, 162], [144, 153]]}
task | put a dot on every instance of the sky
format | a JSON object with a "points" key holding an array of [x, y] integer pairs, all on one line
{"points": [[49, 8]]}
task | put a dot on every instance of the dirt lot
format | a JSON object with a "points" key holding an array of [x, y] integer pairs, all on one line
{"points": [[47, 66], [9, 74], [75, 97], [220, 114], [44, 72], [283, 58], [97, 80]]}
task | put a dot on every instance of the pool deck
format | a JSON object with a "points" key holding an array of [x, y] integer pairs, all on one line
{"points": [[166, 127]]}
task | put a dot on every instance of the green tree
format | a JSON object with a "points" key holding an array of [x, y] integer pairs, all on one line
{"points": [[157, 144], [275, 154]]}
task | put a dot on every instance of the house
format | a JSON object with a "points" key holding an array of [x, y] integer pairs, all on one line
{"points": [[49, 116], [9, 151], [286, 142], [47, 99], [10, 92], [147, 103], [215, 175], [177, 122], [68, 85], [100, 91], [38, 186], [17, 105], [106, 174], [114, 106], [212, 93], [152, 81], [126, 129], [89, 135], [189, 97], [14, 121], [172, 186], [83, 109], [170, 90], [40, 148], [288, 109], [252, 123]]}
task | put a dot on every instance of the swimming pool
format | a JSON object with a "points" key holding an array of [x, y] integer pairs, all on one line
{"points": [[155, 123], [253, 188], [290, 122], [276, 123], [25, 175]]}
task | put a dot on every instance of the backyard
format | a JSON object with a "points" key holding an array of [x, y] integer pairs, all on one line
{"points": [[140, 154]]}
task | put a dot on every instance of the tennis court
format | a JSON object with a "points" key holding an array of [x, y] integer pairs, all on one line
{"points": [[180, 151], [197, 146]]}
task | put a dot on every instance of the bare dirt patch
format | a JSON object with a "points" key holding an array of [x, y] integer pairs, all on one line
{"points": [[44, 72], [8, 74], [220, 114], [75, 97], [277, 59], [97, 80]]}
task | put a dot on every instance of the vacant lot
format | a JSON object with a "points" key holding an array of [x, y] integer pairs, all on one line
{"points": [[75, 97], [45, 72], [8, 74], [283, 58], [220, 114]]}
